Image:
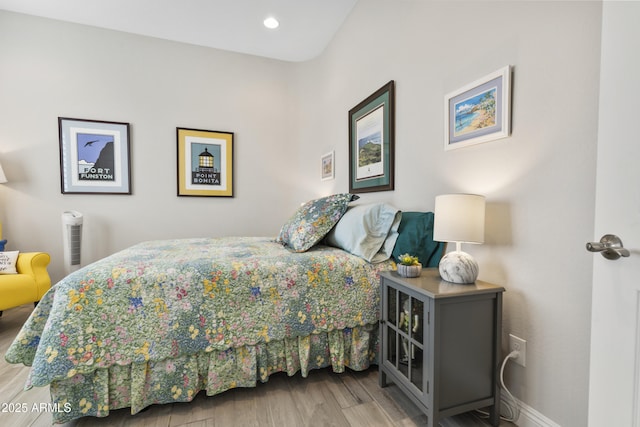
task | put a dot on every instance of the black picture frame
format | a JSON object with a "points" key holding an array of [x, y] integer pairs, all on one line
{"points": [[95, 156], [372, 142]]}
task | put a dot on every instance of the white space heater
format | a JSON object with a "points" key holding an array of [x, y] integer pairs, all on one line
{"points": [[72, 239]]}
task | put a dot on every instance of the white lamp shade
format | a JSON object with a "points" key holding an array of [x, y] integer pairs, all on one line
{"points": [[459, 218], [3, 178]]}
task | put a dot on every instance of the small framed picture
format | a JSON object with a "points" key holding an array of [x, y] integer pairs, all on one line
{"points": [[372, 142], [205, 163], [326, 164], [94, 156], [479, 112]]}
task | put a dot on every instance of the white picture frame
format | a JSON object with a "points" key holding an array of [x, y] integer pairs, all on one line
{"points": [[479, 112], [327, 166]]}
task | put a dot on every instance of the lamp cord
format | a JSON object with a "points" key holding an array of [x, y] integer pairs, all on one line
{"points": [[511, 404]]}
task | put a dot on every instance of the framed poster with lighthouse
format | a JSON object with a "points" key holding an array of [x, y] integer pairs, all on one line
{"points": [[205, 163]]}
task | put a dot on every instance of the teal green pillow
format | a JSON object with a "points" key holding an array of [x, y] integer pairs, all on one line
{"points": [[312, 221], [415, 237]]}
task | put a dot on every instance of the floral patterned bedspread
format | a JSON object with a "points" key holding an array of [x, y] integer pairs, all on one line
{"points": [[163, 299]]}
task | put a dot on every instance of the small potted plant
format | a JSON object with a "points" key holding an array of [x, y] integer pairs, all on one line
{"points": [[409, 266]]}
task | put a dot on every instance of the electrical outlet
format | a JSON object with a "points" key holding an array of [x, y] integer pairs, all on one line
{"points": [[519, 345]]}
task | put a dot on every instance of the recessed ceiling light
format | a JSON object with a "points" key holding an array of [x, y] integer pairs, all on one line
{"points": [[271, 23]]}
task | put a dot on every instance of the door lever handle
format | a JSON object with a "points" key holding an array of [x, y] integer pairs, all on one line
{"points": [[610, 246]]}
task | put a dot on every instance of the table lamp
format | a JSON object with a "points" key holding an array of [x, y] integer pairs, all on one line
{"points": [[459, 218]]}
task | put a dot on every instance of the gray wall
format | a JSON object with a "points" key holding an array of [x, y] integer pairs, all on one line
{"points": [[539, 192], [538, 183], [51, 69]]}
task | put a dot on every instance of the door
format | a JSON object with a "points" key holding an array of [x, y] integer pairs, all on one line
{"points": [[614, 383]]}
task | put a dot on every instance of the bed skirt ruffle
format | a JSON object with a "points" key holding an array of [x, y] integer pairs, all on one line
{"points": [[181, 379]]}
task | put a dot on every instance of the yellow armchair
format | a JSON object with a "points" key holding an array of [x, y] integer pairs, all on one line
{"points": [[29, 285]]}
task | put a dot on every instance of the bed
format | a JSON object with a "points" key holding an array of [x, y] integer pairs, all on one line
{"points": [[163, 320]]}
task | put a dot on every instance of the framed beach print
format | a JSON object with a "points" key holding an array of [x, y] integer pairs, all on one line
{"points": [[205, 163], [94, 157], [326, 165], [372, 141], [479, 112]]}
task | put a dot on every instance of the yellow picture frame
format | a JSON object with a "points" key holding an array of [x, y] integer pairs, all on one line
{"points": [[205, 163]]}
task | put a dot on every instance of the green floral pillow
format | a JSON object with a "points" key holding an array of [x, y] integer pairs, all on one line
{"points": [[313, 220]]}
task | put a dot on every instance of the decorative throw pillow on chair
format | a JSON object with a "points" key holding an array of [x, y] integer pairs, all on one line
{"points": [[8, 262]]}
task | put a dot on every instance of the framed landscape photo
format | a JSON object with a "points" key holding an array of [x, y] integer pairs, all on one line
{"points": [[479, 112], [327, 168], [205, 163], [372, 142], [94, 156]]}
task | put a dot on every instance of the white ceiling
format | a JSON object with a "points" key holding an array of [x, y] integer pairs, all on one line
{"points": [[306, 26]]}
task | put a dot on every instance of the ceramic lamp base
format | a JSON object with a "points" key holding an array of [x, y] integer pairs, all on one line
{"points": [[458, 267]]}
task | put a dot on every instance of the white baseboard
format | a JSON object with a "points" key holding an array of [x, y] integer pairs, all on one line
{"points": [[529, 417]]}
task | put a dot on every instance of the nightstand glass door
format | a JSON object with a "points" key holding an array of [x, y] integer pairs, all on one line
{"points": [[405, 335]]}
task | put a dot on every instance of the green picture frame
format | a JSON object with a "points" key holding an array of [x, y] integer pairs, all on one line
{"points": [[372, 142]]}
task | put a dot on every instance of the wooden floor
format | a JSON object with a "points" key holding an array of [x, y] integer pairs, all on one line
{"points": [[351, 399]]}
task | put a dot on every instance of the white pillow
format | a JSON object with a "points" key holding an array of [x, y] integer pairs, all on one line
{"points": [[8, 262], [369, 231]]}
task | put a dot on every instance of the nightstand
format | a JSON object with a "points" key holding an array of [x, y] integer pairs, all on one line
{"points": [[440, 343]]}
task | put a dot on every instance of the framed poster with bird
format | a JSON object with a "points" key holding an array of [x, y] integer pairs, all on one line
{"points": [[94, 156]]}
